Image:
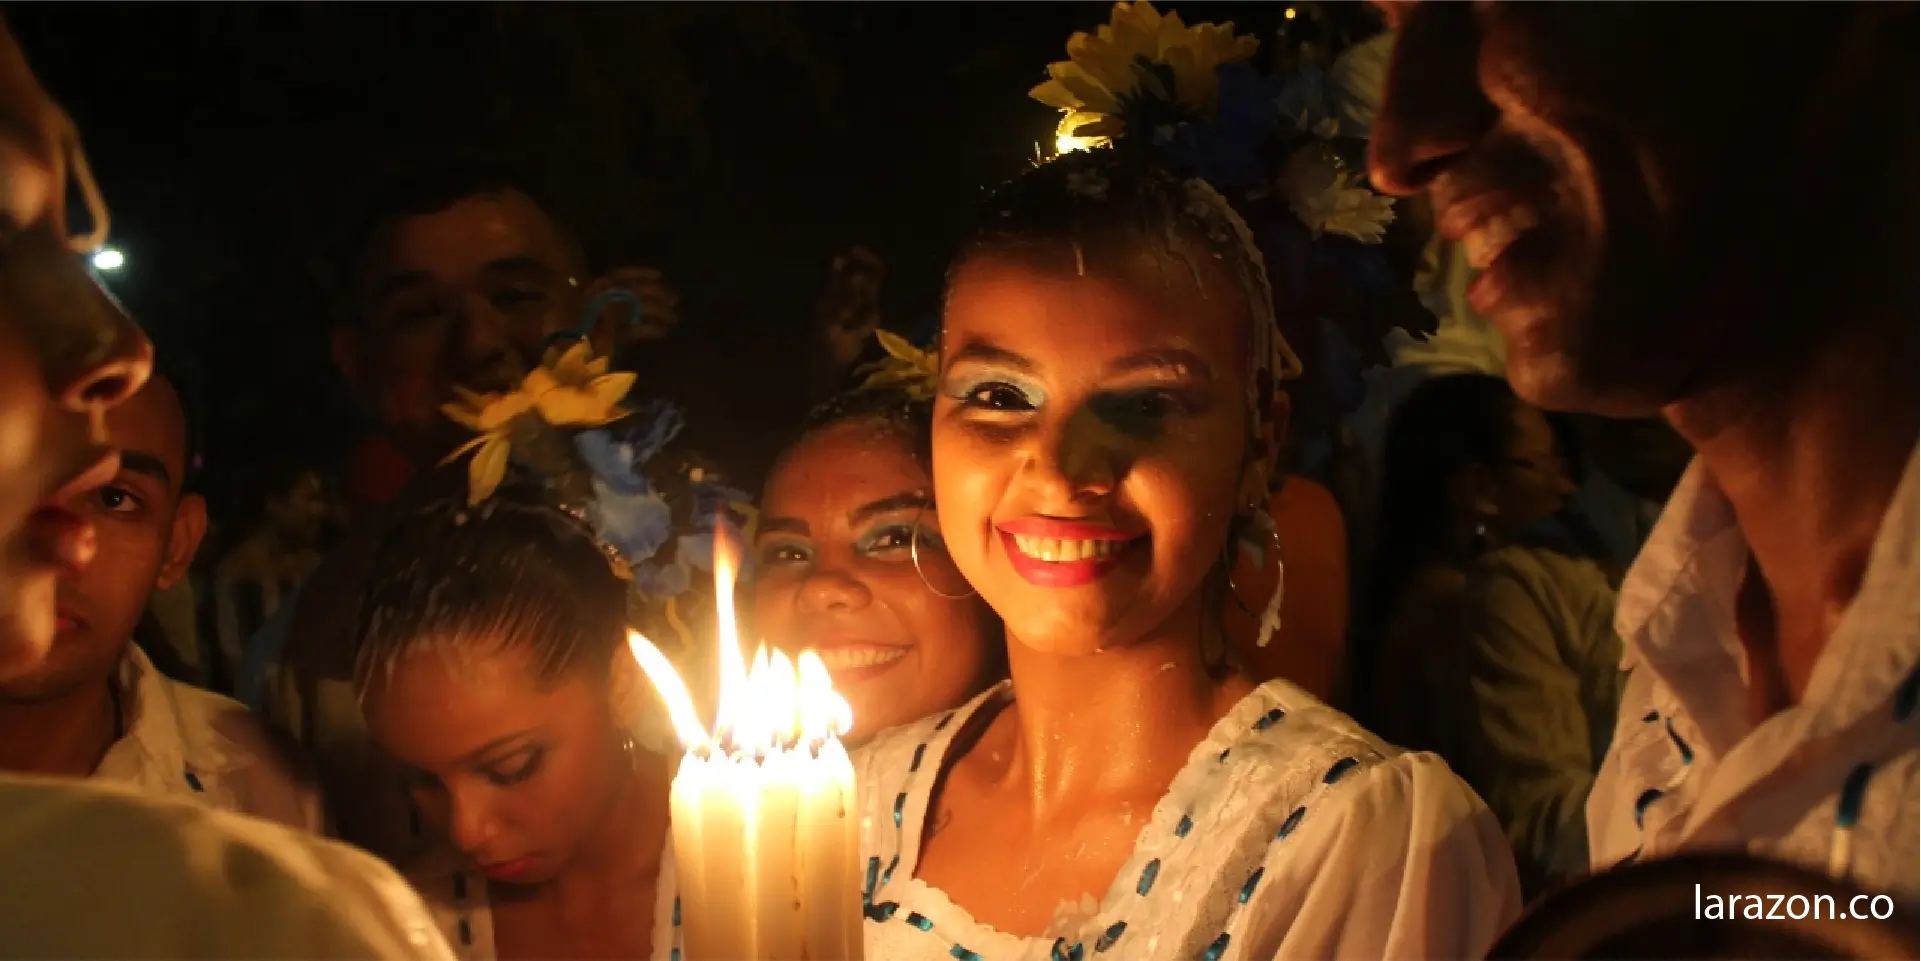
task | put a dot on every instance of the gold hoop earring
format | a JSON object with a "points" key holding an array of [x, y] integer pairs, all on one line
{"points": [[913, 552], [1271, 612]]}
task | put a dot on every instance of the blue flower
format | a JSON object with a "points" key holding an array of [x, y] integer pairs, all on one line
{"points": [[1303, 98], [635, 524], [616, 454], [1226, 153], [661, 580]]}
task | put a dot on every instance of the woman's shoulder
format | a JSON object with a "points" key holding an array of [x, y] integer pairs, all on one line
{"points": [[1280, 742]]}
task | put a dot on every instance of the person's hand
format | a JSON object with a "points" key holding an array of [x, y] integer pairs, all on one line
{"points": [[659, 308]]}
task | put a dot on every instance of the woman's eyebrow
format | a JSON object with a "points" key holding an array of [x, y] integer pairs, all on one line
{"points": [[892, 502]]}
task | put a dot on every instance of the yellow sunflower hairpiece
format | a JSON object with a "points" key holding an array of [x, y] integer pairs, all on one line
{"points": [[1128, 58], [571, 388], [915, 371]]}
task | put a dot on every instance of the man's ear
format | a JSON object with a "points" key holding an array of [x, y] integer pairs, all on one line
{"points": [[346, 354], [189, 526]]}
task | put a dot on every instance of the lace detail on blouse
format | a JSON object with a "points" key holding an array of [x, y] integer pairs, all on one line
{"points": [[1268, 788]]}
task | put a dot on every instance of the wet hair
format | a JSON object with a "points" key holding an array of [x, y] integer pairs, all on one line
{"points": [[1113, 194], [892, 407], [509, 574]]}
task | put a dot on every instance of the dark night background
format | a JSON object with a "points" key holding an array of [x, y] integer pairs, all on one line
{"points": [[738, 147]]}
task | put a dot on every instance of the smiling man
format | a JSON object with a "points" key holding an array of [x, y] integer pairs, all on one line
{"points": [[96, 706], [1709, 214]]}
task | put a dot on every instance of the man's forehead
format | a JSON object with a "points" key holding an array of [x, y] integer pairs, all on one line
{"points": [[457, 243], [153, 421]]}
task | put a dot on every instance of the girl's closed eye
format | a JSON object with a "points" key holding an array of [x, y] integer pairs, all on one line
{"points": [[517, 768]]}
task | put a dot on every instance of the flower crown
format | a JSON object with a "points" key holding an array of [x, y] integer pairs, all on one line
{"points": [[567, 425], [1270, 144], [906, 368]]}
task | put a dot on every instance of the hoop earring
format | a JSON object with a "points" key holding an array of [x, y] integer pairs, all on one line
{"points": [[1271, 614], [913, 552]]}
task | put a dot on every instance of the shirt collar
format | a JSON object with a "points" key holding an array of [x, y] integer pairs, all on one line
{"points": [[162, 732], [1675, 615]]}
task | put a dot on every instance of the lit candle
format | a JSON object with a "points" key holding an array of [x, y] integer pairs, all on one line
{"points": [[766, 842]]}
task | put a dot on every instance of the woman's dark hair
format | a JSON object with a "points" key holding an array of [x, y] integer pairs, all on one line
{"points": [[1113, 193], [511, 572], [893, 406], [1440, 429]]}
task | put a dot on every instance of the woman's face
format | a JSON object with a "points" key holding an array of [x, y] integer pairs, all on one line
{"points": [[515, 773], [1533, 483], [835, 573], [1089, 439]]}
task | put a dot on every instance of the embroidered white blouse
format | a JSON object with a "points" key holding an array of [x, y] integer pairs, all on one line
{"points": [[1291, 832], [1829, 783], [456, 896], [183, 741]]}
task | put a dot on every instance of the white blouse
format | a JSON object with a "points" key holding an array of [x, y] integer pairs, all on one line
{"points": [[456, 896], [182, 741], [1291, 832]]}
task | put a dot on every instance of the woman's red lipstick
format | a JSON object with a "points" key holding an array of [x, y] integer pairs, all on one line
{"points": [[508, 871], [1047, 552]]}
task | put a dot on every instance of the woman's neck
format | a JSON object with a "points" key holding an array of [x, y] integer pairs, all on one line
{"points": [[626, 846], [1116, 722]]}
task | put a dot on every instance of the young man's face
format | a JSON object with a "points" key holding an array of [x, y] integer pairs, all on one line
{"points": [[147, 532], [462, 296]]}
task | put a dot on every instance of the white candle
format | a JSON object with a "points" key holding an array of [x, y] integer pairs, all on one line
{"points": [[765, 829]]}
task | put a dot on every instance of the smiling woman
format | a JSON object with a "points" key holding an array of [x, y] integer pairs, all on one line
{"points": [[1103, 429], [493, 667], [850, 562]]}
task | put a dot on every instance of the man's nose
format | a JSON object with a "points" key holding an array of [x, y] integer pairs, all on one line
{"points": [[485, 355], [1433, 108]]}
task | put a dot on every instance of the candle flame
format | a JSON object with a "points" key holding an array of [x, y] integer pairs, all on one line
{"points": [[772, 707], [680, 704], [733, 670]]}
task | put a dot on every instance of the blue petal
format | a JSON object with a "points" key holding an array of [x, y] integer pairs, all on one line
{"points": [[1303, 95], [634, 524], [656, 580], [611, 461], [659, 422], [696, 551]]}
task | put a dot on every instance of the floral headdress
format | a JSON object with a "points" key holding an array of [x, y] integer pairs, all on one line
{"points": [[570, 427], [1273, 148], [907, 368]]}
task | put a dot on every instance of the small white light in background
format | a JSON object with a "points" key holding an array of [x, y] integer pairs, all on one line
{"points": [[108, 260]]}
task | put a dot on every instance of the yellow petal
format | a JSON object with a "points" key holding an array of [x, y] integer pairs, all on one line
{"points": [[464, 448], [1053, 94], [487, 469], [462, 415], [897, 346], [611, 389], [571, 368], [1091, 95], [503, 409], [1145, 79]]}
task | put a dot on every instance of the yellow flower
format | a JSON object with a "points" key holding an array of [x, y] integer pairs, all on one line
{"points": [[1117, 62], [570, 389], [908, 367], [574, 389]]}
